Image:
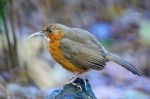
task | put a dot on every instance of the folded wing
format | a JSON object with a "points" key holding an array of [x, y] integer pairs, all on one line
{"points": [[82, 55]]}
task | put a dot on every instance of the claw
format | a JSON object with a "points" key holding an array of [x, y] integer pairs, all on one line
{"points": [[77, 85], [71, 81]]}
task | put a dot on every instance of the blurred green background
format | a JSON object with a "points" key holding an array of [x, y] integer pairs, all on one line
{"points": [[27, 71]]}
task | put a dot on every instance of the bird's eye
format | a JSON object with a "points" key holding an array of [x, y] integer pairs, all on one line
{"points": [[49, 30]]}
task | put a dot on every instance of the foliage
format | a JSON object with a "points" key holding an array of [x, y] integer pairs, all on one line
{"points": [[3, 4]]}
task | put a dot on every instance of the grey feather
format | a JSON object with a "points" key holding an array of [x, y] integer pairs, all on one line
{"points": [[81, 55]]}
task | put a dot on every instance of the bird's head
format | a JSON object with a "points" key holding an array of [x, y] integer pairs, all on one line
{"points": [[53, 28]]}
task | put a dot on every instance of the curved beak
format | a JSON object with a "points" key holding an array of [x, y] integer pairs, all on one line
{"points": [[40, 33]]}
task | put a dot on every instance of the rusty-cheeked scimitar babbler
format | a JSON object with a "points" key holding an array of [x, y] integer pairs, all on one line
{"points": [[77, 50]]}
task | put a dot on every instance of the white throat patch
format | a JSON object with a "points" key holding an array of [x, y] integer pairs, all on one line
{"points": [[47, 39]]}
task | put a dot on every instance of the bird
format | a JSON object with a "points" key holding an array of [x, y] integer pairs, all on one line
{"points": [[77, 50]]}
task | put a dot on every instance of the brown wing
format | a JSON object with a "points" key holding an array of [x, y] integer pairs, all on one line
{"points": [[82, 54]]}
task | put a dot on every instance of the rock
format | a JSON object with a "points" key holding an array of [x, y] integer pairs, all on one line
{"points": [[71, 91]]}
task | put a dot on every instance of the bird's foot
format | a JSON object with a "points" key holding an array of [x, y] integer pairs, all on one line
{"points": [[71, 81], [77, 85]]}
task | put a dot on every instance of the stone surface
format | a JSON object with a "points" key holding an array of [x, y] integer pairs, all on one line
{"points": [[71, 91]]}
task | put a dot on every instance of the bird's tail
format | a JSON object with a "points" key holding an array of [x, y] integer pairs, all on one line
{"points": [[123, 63]]}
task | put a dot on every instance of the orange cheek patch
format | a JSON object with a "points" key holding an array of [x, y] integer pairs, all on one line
{"points": [[54, 37]]}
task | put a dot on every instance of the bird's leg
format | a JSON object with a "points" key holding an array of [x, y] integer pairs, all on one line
{"points": [[71, 81], [74, 78], [85, 83]]}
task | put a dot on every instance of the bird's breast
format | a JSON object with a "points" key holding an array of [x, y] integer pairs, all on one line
{"points": [[53, 47]]}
